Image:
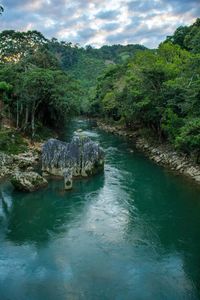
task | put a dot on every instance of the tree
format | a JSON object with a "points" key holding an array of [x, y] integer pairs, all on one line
{"points": [[15, 45], [192, 38], [179, 35], [158, 90], [189, 138], [4, 88], [48, 95]]}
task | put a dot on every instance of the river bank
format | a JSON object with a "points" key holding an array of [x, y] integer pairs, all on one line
{"points": [[18, 152], [25, 161], [161, 154]]}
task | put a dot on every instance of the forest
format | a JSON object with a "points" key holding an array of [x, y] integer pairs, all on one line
{"points": [[100, 150], [44, 82]]}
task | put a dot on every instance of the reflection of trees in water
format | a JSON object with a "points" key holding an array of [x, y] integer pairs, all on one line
{"points": [[36, 217]]}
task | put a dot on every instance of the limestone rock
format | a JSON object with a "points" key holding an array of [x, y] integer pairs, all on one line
{"points": [[68, 181], [28, 181], [6, 163], [82, 156], [5, 159], [25, 160]]}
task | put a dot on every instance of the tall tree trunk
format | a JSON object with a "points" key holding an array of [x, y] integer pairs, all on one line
{"points": [[17, 115], [32, 125], [26, 117]]}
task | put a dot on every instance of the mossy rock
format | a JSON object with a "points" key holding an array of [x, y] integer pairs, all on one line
{"points": [[28, 181]]}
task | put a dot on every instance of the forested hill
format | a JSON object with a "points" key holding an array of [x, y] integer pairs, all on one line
{"points": [[44, 82], [84, 64], [159, 91], [87, 64]]}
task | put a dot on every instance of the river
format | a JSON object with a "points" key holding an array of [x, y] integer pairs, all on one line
{"points": [[130, 233]]}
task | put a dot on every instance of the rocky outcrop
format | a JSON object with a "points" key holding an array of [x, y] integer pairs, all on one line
{"points": [[163, 155], [28, 181], [81, 157], [10, 164], [6, 163], [117, 130], [26, 160]]}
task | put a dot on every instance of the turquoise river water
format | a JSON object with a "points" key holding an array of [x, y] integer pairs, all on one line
{"points": [[130, 233]]}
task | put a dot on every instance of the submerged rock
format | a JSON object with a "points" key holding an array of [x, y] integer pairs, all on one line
{"points": [[81, 157], [28, 181], [68, 181]]}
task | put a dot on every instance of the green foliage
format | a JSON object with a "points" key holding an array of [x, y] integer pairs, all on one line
{"points": [[86, 65], [189, 138], [42, 58], [160, 90], [171, 124], [11, 142], [15, 45], [36, 89], [44, 82], [109, 101], [179, 36], [27, 50], [187, 37], [5, 87]]}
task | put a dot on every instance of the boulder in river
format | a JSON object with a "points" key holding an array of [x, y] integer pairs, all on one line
{"points": [[68, 179], [81, 156], [28, 181]]}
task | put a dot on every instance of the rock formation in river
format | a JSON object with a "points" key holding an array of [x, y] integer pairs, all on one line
{"points": [[28, 181], [81, 157]]}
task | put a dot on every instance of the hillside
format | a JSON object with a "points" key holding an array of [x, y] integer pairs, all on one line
{"points": [[159, 91], [44, 82]]}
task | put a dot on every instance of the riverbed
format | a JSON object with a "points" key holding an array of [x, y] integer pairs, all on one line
{"points": [[132, 232]]}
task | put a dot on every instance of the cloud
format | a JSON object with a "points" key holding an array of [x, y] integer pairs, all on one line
{"points": [[111, 26], [98, 22], [85, 34], [107, 15]]}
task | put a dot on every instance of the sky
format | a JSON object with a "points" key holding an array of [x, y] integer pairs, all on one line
{"points": [[100, 22]]}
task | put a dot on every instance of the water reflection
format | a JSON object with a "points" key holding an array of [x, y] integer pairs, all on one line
{"points": [[36, 217], [131, 234]]}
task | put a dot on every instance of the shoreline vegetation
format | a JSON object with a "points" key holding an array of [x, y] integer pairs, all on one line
{"points": [[154, 93], [162, 154]]}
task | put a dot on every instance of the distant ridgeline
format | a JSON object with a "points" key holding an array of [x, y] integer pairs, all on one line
{"points": [[44, 82]]}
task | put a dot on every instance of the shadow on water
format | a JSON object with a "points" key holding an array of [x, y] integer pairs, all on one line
{"points": [[37, 217]]}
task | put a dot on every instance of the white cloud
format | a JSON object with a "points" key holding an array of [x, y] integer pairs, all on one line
{"points": [[98, 22]]}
